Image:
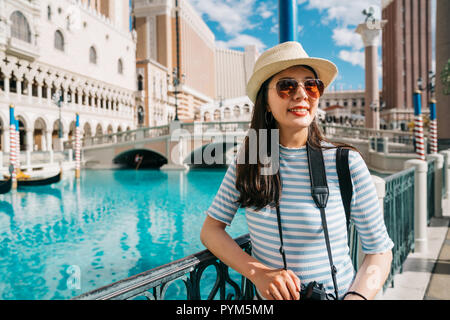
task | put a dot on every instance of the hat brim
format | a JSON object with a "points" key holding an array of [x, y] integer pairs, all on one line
{"points": [[325, 69]]}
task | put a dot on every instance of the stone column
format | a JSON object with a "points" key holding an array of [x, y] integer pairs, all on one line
{"points": [[29, 139], [6, 138], [6, 81], [39, 92], [30, 90], [48, 140], [49, 94], [19, 88], [370, 33], [79, 97], [442, 56]]}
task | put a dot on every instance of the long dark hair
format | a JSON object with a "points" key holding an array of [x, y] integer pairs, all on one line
{"points": [[257, 190]]}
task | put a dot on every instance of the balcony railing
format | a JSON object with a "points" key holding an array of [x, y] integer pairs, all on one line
{"points": [[399, 218], [430, 189], [153, 284]]}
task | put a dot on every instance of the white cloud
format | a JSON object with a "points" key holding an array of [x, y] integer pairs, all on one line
{"points": [[275, 28], [233, 16], [264, 10], [347, 37], [241, 41], [345, 12], [356, 58]]}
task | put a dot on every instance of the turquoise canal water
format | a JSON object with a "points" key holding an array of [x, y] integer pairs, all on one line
{"points": [[57, 242]]}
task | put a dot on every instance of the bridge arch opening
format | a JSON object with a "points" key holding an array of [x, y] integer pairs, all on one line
{"points": [[140, 159], [213, 155]]}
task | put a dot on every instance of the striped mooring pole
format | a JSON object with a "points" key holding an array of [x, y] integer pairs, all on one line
{"points": [[12, 145], [433, 127], [77, 147], [418, 126], [17, 147], [287, 18]]}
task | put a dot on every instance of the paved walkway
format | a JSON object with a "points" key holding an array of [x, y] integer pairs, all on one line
{"points": [[426, 275]]}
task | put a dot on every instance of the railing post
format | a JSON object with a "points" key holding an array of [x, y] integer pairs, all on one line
{"points": [[28, 160], [420, 203], [438, 167], [385, 145], [51, 156], [70, 155], [446, 154]]}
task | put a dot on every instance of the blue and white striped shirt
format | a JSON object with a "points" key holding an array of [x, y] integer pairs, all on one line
{"points": [[303, 236]]}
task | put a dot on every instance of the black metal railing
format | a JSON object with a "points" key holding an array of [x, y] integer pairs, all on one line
{"points": [[399, 218], [430, 189], [153, 284], [444, 177]]}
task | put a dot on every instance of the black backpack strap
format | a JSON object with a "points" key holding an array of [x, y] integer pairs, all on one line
{"points": [[320, 192], [345, 180]]}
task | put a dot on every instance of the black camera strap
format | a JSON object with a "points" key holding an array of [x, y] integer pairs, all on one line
{"points": [[320, 192]]}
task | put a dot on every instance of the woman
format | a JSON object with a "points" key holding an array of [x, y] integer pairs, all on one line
{"points": [[286, 91]]}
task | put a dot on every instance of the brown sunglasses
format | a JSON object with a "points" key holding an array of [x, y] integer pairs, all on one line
{"points": [[288, 87]]}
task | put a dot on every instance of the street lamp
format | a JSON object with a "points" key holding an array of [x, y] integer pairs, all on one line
{"points": [[431, 81], [420, 83], [374, 106], [58, 99], [176, 81]]}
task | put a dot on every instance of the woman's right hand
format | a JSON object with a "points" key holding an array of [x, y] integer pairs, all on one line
{"points": [[277, 284]]}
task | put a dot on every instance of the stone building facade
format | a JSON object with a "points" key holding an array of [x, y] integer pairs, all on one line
{"points": [[82, 49]]}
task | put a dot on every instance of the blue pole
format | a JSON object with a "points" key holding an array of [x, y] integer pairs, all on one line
{"points": [[12, 121], [433, 127], [432, 110], [287, 18], [417, 103]]}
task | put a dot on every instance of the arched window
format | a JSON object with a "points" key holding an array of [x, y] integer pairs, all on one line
{"points": [[49, 13], [59, 40], [20, 28], [120, 66], [140, 83], [92, 55]]}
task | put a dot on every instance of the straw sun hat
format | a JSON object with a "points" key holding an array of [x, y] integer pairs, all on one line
{"points": [[283, 56]]}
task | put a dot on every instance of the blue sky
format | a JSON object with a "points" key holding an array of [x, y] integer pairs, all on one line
{"points": [[326, 30]]}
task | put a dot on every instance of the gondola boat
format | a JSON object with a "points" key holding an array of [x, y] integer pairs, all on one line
{"points": [[5, 185], [31, 182]]}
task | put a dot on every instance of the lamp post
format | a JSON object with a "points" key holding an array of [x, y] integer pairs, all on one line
{"points": [[176, 81], [58, 99]]}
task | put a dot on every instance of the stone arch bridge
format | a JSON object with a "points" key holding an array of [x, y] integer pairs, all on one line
{"points": [[177, 146], [183, 145]]}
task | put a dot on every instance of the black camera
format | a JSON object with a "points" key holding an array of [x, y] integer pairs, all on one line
{"points": [[313, 291]]}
